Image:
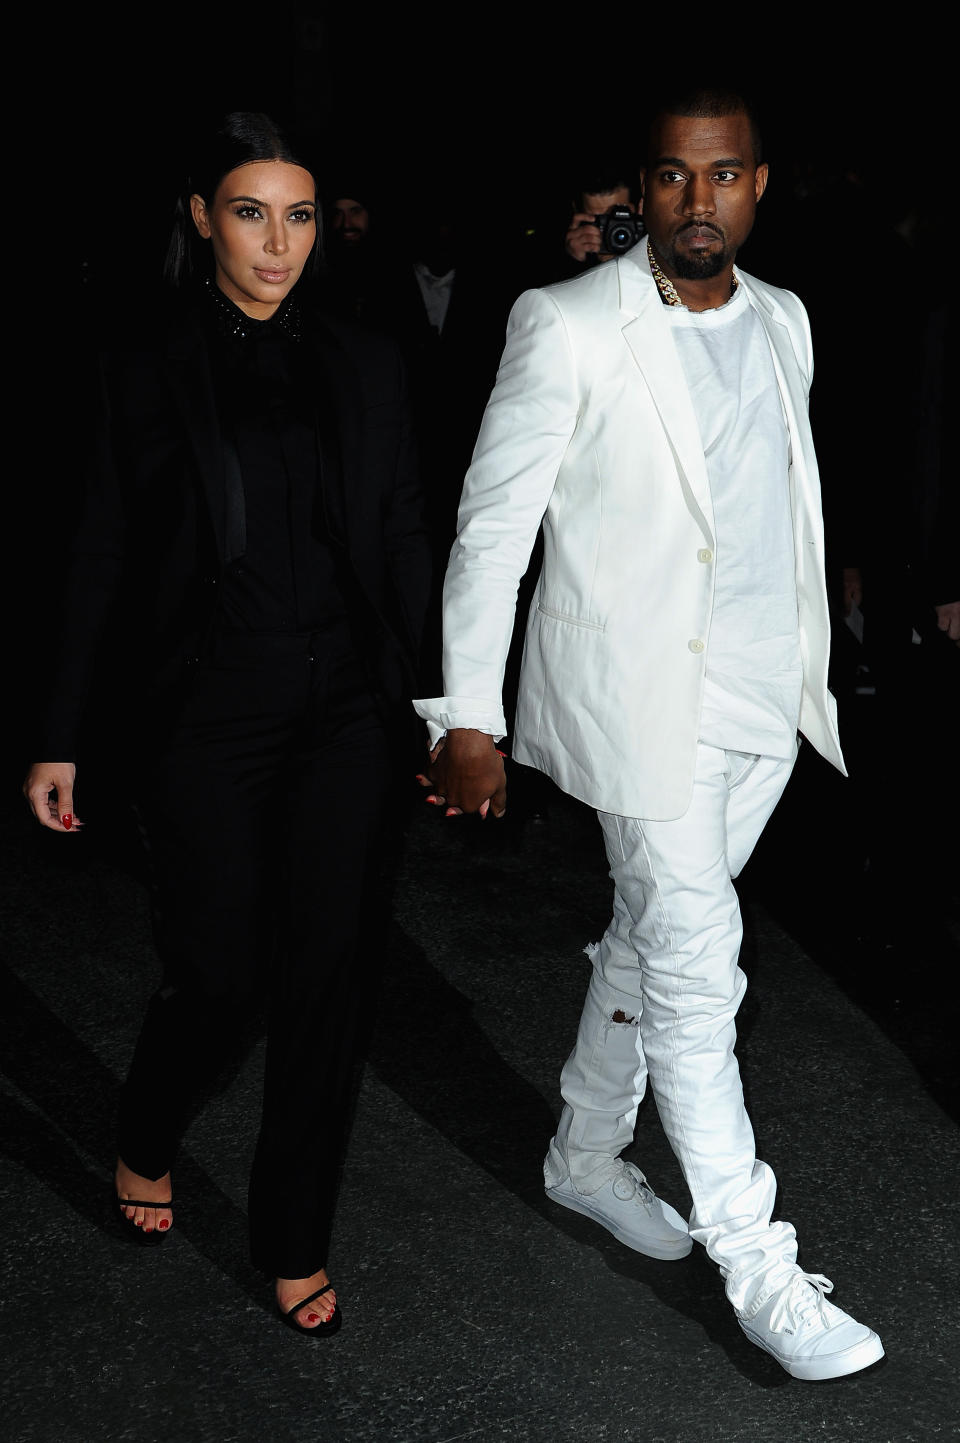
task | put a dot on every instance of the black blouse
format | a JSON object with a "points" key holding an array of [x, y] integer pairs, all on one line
{"points": [[280, 571]]}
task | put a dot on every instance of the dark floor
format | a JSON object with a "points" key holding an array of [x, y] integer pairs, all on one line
{"points": [[474, 1309]]}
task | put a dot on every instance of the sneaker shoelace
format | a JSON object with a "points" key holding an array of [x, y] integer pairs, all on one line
{"points": [[799, 1305]]}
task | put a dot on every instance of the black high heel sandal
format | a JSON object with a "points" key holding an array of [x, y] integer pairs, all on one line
{"points": [[322, 1330], [130, 1230]]}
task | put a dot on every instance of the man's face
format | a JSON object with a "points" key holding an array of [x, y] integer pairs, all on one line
{"points": [[700, 192], [351, 220], [601, 202]]}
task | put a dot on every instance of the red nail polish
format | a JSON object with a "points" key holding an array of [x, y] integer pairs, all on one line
{"points": [[313, 1317], [66, 821], [163, 1224]]}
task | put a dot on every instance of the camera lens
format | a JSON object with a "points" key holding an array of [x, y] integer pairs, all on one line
{"points": [[620, 238]]}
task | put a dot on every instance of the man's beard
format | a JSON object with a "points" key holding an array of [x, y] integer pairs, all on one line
{"points": [[702, 265]]}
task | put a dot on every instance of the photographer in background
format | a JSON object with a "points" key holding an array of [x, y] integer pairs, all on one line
{"points": [[603, 191]]}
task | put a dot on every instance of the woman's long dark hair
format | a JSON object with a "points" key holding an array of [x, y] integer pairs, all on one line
{"points": [[241, 137]]}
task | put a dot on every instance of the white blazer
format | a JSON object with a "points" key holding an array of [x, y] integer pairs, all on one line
{"points": [[590, 431]]}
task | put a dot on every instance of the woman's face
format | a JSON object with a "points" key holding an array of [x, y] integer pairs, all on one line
{"points": [[262, 225]]}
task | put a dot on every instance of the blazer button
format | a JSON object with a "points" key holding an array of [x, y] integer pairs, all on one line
{"points": [[704, 554], [696, 644]]}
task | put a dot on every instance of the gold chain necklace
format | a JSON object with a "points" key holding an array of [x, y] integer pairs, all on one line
{"points": [[668, 291]]}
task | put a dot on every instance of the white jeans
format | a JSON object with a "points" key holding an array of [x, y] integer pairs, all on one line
{"points": [[661, 1003]]}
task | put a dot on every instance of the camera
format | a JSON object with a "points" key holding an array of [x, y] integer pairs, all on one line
{"points": [[619, 230]]}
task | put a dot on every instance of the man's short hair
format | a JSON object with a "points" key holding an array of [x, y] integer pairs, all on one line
{"points": [[710, 102], [600, 177], [602, 182]]}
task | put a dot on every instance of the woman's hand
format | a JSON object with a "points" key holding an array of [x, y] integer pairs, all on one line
{"points": [[49, 791]]}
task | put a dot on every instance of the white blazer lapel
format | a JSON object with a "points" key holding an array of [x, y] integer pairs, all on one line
{"points": [[791, 383], [647, 333]]}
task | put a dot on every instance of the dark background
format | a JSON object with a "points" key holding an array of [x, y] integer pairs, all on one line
{"points": [[475, 1307], [485, 110]]}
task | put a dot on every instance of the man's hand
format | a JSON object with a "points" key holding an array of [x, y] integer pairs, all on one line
{"points": [[948, 619], [466, 774], [583, 237], [49, 790]]}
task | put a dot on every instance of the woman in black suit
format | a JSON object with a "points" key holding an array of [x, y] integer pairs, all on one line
{"points": [[253, 518]]}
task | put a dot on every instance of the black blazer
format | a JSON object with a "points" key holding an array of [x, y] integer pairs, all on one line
{"points": [[146, 560]]}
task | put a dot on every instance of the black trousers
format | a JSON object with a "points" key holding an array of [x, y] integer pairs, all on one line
{"points": [[262, 816]]}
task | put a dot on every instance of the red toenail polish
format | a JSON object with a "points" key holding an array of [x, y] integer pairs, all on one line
{"points": [[163, 1225], [313, 1317]]}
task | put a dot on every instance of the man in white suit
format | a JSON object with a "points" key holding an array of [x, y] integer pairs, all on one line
{"points": [[651, 415]]}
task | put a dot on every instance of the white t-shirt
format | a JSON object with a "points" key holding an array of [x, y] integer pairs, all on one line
{"points": [[751, 697]]}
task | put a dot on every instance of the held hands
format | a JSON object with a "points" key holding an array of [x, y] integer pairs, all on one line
{"points": [[49, 791], [466, 774]]}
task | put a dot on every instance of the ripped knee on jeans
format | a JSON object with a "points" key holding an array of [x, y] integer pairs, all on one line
{"points": [[621, 1018]]}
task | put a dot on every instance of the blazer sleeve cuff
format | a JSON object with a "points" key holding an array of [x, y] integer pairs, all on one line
{"points": [[443, 713]]}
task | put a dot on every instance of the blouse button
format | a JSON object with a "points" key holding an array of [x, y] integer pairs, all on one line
{"points": [[696, 644]]}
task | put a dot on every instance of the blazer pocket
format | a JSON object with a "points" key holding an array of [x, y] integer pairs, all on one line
{"points": [[570, 620]]}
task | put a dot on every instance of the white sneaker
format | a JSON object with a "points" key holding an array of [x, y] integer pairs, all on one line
{"points": [[628, 1207], [811, 1338]]}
